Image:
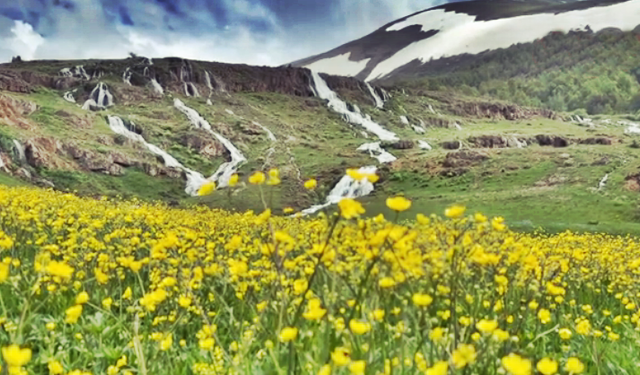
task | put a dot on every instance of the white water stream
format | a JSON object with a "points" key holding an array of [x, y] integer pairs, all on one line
{"points": [[269, 133], [376, 151], [194, 179], [338, 105], [347, 187], [226, 170], [378, 100], [156, 87]]}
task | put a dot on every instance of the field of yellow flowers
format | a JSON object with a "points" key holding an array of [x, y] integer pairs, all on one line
{"points": [[125, 287]]}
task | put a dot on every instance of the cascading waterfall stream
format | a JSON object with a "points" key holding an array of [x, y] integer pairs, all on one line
{"points": [[347, 187], [194, 179], [20, 151], [336, 104], [376, 151], [226, 170], [376, 98], [269, 133], [126, 76], [99, 98], [156, 87], [68, 96]]}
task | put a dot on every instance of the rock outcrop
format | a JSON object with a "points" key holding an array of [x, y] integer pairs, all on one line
{"points": [[13, 111]]}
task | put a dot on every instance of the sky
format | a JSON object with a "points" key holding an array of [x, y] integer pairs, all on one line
{"points": [[256, 32]]}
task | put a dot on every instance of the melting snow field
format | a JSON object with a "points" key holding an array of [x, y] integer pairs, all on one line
{"points": [[459, 32], [340, 64], [336, 104], [347, 187], [226, 170], [194, 179]]}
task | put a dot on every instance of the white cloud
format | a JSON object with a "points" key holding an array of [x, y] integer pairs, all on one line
{"points": [[90, 32], [24, 40]]}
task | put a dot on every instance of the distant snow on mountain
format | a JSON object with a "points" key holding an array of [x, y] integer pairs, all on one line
{"points": [[466, 28]]}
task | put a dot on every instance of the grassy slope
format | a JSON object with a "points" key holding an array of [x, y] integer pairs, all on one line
{"points": [[321, 145]]}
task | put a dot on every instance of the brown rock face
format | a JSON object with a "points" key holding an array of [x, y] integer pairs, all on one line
{"points": [[498, 110], [632, 182], [597, 141], [403, 145], [202, 142], [13, 111], [489, 141], [25, 81], [463, 159], [42, 152], [552, 140], [173, 73], [451, 145]]}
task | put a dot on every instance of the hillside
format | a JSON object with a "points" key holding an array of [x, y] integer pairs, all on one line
{"points": [[567, 56], [157, 129]]}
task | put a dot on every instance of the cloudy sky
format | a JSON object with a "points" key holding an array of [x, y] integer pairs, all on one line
{"points": [[259, 32]]}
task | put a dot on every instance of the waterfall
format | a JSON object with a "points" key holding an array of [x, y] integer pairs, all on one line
{"points": [[20, 153], [424, 145], [376, 98], [207, 77], [603, 182], [347, 187], [336, 104], [377, 152], [191, 90], [194, 179], [126, 76], [99, 98], [156, 87], [68, 96], [269, 133], [226, 170], [76, 71]]}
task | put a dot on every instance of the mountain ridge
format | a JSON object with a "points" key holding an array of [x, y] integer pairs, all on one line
{"points": [[357, 59]]}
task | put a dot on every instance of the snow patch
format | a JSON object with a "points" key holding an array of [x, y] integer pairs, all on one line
{"points": [[339, 65], [632, 127], [377, 152], [404, 120], [194, 179], [226, 170], [460, 33], [336, 104], [347, 187]]}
